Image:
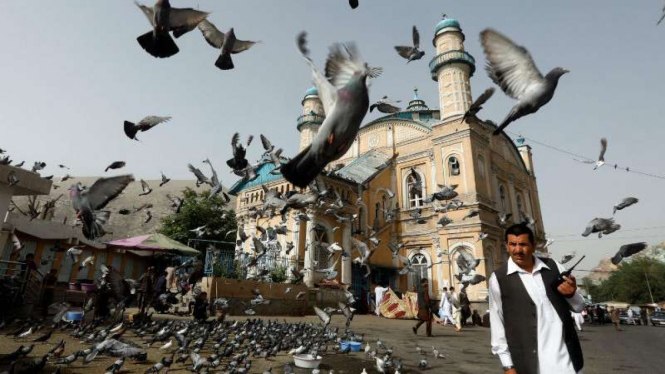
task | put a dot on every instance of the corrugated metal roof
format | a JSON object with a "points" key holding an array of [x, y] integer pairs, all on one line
{"points": [[264, 176], [365, 167]]}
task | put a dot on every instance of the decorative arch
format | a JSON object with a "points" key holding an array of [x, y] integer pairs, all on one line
{"points": [[454, 166], [455, 251], [421, 270]]}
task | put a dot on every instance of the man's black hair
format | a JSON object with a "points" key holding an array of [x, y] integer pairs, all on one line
{"points": [[520, 229], [29, 255]]}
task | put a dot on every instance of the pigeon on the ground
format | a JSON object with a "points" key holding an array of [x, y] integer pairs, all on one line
{"points": [[385, 106], [478, 104], [625, 203], [343, 92], [628, 250], [411, 53], [511, 67], [164, 19], [601, 226], [227, 43], [115, 165], [145, 124], [88, 202]]}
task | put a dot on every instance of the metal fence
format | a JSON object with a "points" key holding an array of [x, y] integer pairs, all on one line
{"points": [[227, 264]]}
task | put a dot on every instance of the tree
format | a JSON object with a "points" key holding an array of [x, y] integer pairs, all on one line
{"points": [[199, 210], [629, 282]]}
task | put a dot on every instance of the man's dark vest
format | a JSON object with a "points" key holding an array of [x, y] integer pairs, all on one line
{"points": [[520, 321]]}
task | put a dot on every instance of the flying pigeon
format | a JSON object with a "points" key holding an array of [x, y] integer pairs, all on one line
{"points": [[200, 177], [165, 180], [176, 202], [87, 203], [38, 166], [145, 188], [227, 43], [601, 226], [511, 67], [354, 5], [214, 180], [471, 213], [628, 250], [385, 106], [145, 124], [239, 162], [163, 19], [411, 53], [148, 216], [662, 17], [325, 318], [466, 262], [115, 165], [343, 92], [601, 156], [478, 104], [566, 258], [625, 203]]}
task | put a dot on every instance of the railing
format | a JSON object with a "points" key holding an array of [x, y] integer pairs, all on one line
{"points": [[310, 118], [228, 265], [451, 57], [19, 286]]}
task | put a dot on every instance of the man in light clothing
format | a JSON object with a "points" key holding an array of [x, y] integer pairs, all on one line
{"points": [[379, 291], [445, 308], [532, 330], [630, 315], [457, 309]]}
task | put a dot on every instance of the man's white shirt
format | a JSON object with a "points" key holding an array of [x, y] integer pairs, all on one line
{"points": [[553, 355]]}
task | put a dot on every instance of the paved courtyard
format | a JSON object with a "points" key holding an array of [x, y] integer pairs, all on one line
{"points": [[637, 349]]}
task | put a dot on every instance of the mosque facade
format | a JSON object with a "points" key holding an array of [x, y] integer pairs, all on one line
{"points": [[493, 176]]}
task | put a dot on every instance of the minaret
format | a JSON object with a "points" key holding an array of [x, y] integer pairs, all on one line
{"points": [[452, 67], [311, 118]]}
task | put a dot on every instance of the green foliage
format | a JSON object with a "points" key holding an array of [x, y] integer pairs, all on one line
{"points": [[199, 210], [222, 271], [278, 274], [629, 283]]}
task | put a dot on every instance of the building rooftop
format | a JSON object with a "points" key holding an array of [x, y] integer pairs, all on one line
{"points": [[264, 176], [365, 167], [446, 23]]}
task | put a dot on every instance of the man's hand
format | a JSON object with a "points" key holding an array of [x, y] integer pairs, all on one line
{"points": [[511, 371], [569, 287]]}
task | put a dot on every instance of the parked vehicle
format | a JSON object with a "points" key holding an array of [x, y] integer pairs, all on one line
{"points": [[658, 319], [623, 317]]}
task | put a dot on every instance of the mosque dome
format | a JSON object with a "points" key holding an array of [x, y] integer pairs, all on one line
{"points": [[445, 23], [312, 91]]}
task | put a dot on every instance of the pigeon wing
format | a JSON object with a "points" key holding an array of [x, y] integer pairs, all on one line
{"points": [[211, 34], [603, 148], [148, 11], [265, 142], [106, 189], [404, 51], [509, 65], [325, 318], [327, 92], [482, 99], [242, 45], [198, 173], [416, 37], [342, 64], [151, 121], [630, 249], [186, 18]]}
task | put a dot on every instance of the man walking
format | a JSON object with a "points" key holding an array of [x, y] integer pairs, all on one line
{"points": [[614, 315], [424, 312], [445, 308], [145, 291], [532, 330]]}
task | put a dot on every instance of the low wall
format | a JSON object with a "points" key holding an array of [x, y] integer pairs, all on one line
{"points": [[239, 293]]}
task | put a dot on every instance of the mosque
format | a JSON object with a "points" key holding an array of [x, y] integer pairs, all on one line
{"points": [[493, 176]]}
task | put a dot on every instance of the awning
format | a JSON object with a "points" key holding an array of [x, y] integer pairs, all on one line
{"points": [[146, 245]]}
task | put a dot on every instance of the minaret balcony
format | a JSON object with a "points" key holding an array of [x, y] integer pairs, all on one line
{"points": [[314, 119], [451, 57]]}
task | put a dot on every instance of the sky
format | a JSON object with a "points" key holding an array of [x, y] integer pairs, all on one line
{"points": [[72, 72]]}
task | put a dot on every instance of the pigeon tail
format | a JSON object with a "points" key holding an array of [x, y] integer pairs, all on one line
{"points": [[224, 61], [303, 168], [503, 125], [160, 45]]}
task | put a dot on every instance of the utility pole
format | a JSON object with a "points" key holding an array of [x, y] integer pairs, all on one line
{"points": [[648, 286]]}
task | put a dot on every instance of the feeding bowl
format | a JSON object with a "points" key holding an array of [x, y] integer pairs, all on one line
{"points": [[307, 361], [74, 316], [74, 286], [88, 287], [355, 346]]}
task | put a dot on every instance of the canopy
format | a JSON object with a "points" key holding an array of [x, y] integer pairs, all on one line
{"points": [[146, 245]]}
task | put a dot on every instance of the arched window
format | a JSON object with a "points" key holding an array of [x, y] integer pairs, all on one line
{"points": [[503, 198], [415, 198], [520, 206], [453, 166], [321, 254], [481, 166], [377, 216], [419, 265]]}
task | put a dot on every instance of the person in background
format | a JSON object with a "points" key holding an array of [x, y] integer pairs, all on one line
{"points": [[379, 291], [49, 289], [28, 265], [457, 309], [486, 319], [424, 311], [201, 307], [170, 276], [476, 319], [630, 314], [465, 306], [614, 315], [445, 308], [145, 290]]}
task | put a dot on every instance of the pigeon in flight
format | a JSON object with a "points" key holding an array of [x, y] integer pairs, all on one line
{"points": [[145, 188], [411, 53], [625, 203], [227, 43], [512, 68], [354, 4], [601, 226], [567, 257], [165, 180], [88, 202], [115, 165], [385, 106], [239, 162], [38, 166], [214, 180], [601, 156], [164, 19], [200, 177], [343, 92], [176, 202], [268, 147], [478, 104], [662, 17], [628, 250], [145, 124]]}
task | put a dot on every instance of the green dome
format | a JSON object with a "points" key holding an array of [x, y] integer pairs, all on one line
{"points": [[312, 91], [445, 23]]}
